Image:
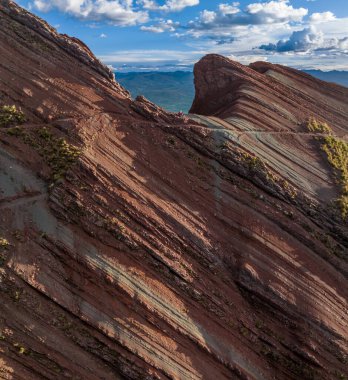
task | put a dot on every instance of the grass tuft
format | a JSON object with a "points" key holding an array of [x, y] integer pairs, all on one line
{"points": [[4, 243], [336, 151], [10, 115], [56, 151], [318, 127]]}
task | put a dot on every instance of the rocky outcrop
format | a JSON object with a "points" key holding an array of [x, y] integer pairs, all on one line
{"points": [[271, 97], [24, 23], [265, 109], [139, 244]]}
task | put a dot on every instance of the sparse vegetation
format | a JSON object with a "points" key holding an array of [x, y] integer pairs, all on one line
{"points": [[56, 151], [117, 229], [20, 348], [15, 131], [17, 295], [4, 243], [337, 154], [253, 162], [318, 127], [10, 115], [257, 167]]}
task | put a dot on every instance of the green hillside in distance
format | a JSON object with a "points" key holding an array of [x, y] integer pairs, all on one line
{"points": [[173, 91]]}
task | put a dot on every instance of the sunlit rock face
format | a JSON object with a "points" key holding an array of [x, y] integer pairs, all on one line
{"points": [[140, 244]]}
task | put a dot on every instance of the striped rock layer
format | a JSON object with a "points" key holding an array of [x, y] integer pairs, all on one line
{"points": [[140, 244]]}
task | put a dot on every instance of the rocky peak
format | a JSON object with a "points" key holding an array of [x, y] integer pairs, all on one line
{"points": [[224, 87]]}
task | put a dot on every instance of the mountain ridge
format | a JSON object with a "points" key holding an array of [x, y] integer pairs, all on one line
{"points": [[137, 243], [174, 91]]}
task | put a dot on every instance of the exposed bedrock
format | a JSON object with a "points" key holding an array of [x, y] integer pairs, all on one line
{"points": [[140, 244]]}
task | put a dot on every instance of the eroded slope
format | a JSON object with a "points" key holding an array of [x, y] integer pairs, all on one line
{"points": [[161, 251], [265, 109]]}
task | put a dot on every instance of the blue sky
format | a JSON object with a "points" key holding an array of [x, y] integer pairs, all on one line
{"points": [[135, 35]]}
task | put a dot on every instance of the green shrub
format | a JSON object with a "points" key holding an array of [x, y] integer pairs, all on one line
{"points": [[337, 155], [10, 115], [318, 127], [57, 153], [15, 131], [336, 151], [4, 243], [253, 162]]}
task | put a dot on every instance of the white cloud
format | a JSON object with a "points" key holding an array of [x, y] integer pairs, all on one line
{"points": [[231, 16], [118, 12], [308, 45], [317, 18], [42, 5], [156, 56], [314, 60], [232, 30], [276, 11], [208, 17], [161, 26], [302, 40], [229, 9], [307, 40], [247, 59], [343, 44], [167, 60], [103, 35], [169, 5], [228, 28]]}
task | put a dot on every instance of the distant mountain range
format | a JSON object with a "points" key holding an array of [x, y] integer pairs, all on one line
{"points": [[175, 91], [339, 77]]}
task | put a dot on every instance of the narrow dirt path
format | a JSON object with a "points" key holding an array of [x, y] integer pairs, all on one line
{"points": [[311, 176]]}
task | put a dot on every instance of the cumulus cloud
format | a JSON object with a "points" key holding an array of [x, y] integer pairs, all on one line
{"points": [[232, 16], [276, 11], [226, 27], [229, 9], [317, 18], [169, 5], [161, 27], [308, 39], [118, 12], [302, 40]]}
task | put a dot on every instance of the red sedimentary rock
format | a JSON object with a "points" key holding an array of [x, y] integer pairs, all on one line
{"points": [[140, 244]]}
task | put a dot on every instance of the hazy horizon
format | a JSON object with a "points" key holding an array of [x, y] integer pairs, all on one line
{"points": [[175, 91], [129, 70]]}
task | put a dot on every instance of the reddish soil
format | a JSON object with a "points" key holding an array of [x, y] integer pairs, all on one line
{"points": [[163, 251]]}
